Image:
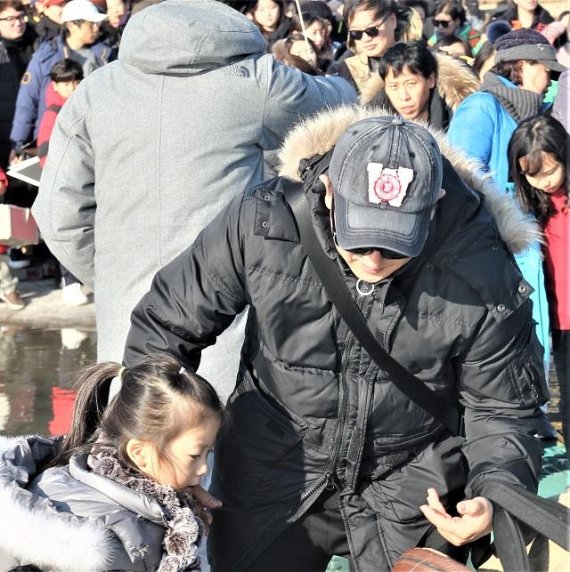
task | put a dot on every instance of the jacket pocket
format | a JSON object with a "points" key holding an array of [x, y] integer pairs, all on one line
{"points": [[526, 373]]}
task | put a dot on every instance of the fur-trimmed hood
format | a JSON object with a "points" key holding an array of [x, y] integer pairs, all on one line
{"points": [[70, 518], [317, 135], [31, 530], [455, 81]]}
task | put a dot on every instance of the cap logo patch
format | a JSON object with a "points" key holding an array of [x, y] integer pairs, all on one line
{"points": [[388, 185]]}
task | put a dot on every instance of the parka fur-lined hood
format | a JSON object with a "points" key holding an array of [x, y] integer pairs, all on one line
{"points": [[455, 81], [317, 135], [32, 531]]}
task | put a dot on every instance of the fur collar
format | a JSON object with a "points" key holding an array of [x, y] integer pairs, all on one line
{"points": [[319, 134], [183, 528]]}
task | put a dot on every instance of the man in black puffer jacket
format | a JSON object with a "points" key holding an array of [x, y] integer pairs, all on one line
{"points": [[326, 455]]}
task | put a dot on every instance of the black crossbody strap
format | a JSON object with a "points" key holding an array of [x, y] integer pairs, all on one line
{"points": [[547, 517], [335, 287]]}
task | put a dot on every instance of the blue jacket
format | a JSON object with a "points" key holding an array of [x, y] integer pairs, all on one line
{"points": [[30, 104], [482, 128]]}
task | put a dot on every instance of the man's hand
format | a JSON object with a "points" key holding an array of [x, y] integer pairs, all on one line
{"points": [[204, 502], [475, 520]]}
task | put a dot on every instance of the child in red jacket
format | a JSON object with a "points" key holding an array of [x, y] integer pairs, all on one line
{"points": [[65, 77], [538, 154]]}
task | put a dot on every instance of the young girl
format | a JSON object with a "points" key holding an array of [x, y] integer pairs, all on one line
{"points": [[538, 154], [269, 16], [117, 491]]}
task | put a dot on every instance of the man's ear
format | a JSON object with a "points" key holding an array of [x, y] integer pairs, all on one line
{"points": [[139, 453], [325, 180]]}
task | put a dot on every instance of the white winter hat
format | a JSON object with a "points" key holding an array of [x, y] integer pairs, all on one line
{"points": [[81, 10]]}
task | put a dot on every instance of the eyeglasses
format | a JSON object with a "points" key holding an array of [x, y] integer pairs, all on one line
{"points": [[385, 252], [371, 32], [13, 19], [441, 23]]}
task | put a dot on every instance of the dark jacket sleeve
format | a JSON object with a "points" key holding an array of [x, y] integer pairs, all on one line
{"points": [[502, 385], [195, 297], [27, 103]]}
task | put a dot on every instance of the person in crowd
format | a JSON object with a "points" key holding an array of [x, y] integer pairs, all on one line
{"points": [[46, 19], [65, 77], [526, 14], [414, 89], [81, 21], [117, 494], [8, 282], [317, 31], [118, 14], [423, 8], [269, 16], [180, 178], [297, 47], [334, 23], [450, 19], [373, 27], [327, 456], [456, 47], [485, 121], [538, 161], [16, 49]]}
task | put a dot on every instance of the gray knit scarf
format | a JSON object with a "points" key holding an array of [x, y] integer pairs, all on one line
{"points": [[519, 103], [183, 528]]}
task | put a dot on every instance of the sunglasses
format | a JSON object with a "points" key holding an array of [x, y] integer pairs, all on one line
{"points": [[441, 23], [371, 32], [385, 252]]}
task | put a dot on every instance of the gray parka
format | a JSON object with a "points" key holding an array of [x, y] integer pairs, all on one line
{"points": [[150, 148], [311, 410], [69, 518]]}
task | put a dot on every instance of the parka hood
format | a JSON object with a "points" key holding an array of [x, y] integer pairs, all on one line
{"points": [[317, 135], [31, 529], [188, 37]]}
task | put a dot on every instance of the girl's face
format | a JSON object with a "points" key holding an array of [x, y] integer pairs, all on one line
{"points": [[266, 13], [317, 32], [373, 46], [303, 50], [551, 176], [184, 461]]}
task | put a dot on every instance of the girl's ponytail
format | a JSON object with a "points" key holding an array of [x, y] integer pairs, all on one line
{"points": [[92, 398]]}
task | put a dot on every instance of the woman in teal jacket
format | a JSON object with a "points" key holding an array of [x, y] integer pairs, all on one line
{"points": [[484, 122]]}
